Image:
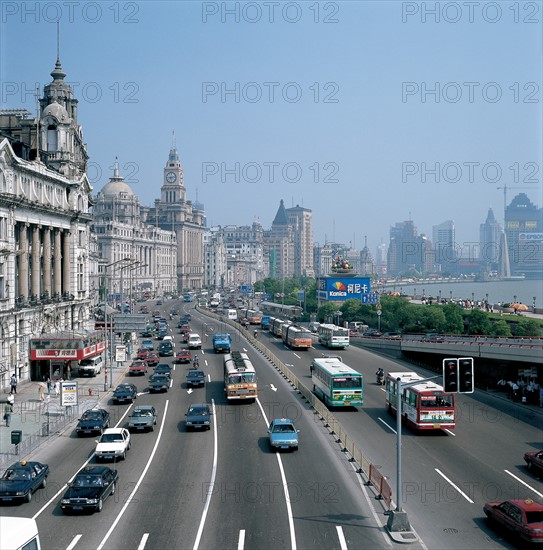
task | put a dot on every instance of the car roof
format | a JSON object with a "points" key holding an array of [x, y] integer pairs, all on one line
{"points": [[282, 421], [94, 469], [143, 408], [199, 406], [528, 505], [113, 430], [195, 371]]}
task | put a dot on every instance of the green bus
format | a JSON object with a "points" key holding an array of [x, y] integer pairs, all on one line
{"points": [[337, 384]]}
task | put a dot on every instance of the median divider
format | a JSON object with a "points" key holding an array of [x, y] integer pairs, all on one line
{"points": [[341, 436]]}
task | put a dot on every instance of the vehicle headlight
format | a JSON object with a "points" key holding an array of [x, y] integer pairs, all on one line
{"points": [[96, 427], [92, 501], [19, 493], [65, 501]]}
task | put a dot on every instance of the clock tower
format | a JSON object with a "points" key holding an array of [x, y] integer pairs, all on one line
{"points": [[173, 190]]}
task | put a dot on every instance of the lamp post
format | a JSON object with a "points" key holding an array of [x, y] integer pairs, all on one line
{"points": [[533, 304], [440, 296], [450, 293]]}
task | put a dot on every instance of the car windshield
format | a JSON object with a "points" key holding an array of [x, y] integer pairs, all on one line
{"points": [[87, 481], [91, 416], [196, 374], [16, 475], [141, 413], [123, 388], [283, 428], [198, 411], [110, 438], [159, 379]]}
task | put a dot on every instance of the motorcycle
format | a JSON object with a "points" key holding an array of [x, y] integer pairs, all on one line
{"points": [[380, 378]]}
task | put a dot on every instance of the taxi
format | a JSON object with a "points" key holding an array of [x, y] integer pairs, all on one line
{"points": [[522, 518]]}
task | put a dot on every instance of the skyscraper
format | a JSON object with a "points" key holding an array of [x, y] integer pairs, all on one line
{"points": [[443, 236], [489, 242], [302, 232]]}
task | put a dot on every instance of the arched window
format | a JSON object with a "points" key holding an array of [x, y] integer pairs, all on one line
{"points": [[52, 142]]}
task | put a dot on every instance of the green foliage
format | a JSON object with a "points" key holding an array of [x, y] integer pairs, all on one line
{"points": [[501, 328], [352, 310], [478, 322], [326, 311], [528, 327], [454, 322]]}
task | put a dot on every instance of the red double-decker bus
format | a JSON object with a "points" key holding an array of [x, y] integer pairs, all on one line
{"points": [[425, 406]]}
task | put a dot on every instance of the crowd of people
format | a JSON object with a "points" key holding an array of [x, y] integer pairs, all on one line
{"points": [[526, 391]]}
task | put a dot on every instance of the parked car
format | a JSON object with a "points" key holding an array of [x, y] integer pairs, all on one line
{"points": [[92, 421], [113, 445], [91, 366], [125, 393], [137, 367], [198, 417], [196, 378], [142, 418], [21, 480], [534, 460], [522, 518], [90, 487], [184, 356], [159, 383], [283, 434]]}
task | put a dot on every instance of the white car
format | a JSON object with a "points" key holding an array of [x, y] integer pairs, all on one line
{"points": [[113, 444], [194, 341]]}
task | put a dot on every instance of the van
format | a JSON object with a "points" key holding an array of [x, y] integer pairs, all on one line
{"points": [[232, 314], [19, 534], [194, 341], [91, 366]]}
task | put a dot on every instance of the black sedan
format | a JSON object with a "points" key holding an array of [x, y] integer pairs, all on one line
{"points": [[22, 479], [196, 378], [164, 369], [92, 421], [90, 487], [159, 383], [125, 393], [198, 417]]}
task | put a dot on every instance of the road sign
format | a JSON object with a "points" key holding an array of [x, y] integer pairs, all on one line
{"points": [[68, 393], [379, 312], [120, 354], [129, 322]]}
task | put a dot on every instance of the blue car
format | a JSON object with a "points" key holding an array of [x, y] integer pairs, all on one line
{"points": [[283, 434]]}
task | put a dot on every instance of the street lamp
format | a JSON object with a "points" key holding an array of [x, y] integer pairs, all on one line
{"points": [[338, 315], [533, 304]]}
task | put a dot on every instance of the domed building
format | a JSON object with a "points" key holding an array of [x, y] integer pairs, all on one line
{"points": [[123, 234]]}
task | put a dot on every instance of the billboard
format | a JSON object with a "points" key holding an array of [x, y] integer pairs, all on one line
{"points": [[339, 289]]}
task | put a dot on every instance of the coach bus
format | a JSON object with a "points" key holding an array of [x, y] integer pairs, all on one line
{"points": [[239, 377], [337, 384], [332, 336], [296, 337], [425, 406], [281, 310], [252, 315]]}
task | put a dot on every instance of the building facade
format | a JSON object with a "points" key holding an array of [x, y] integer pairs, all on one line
{"points": [[44, 226], [279, 243], [215, 266], [300, 220]]}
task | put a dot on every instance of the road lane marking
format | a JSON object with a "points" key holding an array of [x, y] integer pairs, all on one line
{"points": [[523, 483], [212, 482], [296, 355], [387, 425], [208, 377], [129, 500], [285, 486], [455, 486], [273, 388], [241, 539], [341, 536], [143, 541], [74, 542], [450, 432]]}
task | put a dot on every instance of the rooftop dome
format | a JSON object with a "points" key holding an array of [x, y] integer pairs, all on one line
{"points": [[116, 185], [57, 111]]}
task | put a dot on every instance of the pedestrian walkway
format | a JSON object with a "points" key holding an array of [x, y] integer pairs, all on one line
{"points": [[39, 419]]}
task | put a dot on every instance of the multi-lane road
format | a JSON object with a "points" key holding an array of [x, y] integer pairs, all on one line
{"points": [[224, 488]]}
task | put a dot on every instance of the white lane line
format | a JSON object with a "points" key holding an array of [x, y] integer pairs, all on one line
{"points": [[74, 542], [524, 483], [296, 355], [241, 539], [455, 486], [143, 541], [171, 382], [341, 536], [450, 432], [63, 488], [387, 425], [212, 481], [208, 377], [129, 500], [173, 368], [285, 486]]}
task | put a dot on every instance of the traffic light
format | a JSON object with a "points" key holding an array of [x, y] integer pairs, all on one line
{"points": [[450, 375], [466, 375]]}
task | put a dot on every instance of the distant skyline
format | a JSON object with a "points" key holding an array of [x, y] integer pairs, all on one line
{"points": [[367, 113]]}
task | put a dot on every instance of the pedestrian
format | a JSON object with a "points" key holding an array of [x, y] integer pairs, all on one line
{"points": [[13, 383], [11, 399], [48, 382], [57, 388], [8, 409], [41, 390]]}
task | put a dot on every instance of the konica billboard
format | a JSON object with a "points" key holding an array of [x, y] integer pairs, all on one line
{"points": [[339, 289]]}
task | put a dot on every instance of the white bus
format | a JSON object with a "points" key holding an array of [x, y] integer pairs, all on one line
{"points": [[239, 377], [333, 336], [335, 383], [19, 534]]}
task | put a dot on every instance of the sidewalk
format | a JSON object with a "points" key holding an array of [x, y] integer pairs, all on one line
{"points": [[39, 420]]}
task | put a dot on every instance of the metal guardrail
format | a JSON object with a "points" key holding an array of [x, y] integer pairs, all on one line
{"points": [[342, 437]]}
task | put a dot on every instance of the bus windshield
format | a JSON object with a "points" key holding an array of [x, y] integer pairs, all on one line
{"points": [[242, 378], [348, 383]]}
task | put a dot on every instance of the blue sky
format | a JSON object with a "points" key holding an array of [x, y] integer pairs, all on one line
{"points": [[353, 130]]}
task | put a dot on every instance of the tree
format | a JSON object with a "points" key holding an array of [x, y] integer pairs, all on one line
{"points": [[326, 311], [454, 322], [351, 310], [501, 328], [528, 327], [478, 322]]}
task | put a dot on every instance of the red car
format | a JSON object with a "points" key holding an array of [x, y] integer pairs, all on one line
{"points": [[534, 459], [523, 518], [137, 368], [183, 356], [143, 353], [152, 359]]}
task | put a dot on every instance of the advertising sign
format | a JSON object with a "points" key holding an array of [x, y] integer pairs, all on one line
{"points": [[120, 354], [68, 393], [335, 289]]}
